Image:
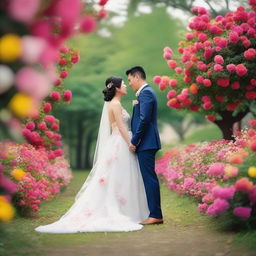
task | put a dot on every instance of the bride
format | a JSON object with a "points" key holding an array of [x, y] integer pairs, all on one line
{"points": [[113, 196]]}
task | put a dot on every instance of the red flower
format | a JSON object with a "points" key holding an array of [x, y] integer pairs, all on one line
{"points": [[55, 96], [57, 82], [63, 62], [67, 95], [172, 64], [30, 125], [47, 107], [224, 82], [241, 70], [103, 2], [88, 24], [210, 118], [207, 82], [250, 95], [102, 14], [63, 73]]}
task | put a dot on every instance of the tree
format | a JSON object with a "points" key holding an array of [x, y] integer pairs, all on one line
{"points": [[217, 70], [216, 7]]}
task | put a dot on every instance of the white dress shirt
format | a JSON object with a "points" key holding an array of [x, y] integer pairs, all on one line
{"points": [[138, 92]]}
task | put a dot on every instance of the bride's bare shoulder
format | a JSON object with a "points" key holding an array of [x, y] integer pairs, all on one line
{"points": [[115, 104]]}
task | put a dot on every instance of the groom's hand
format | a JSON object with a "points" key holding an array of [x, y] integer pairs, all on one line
{"points": [[132, 148]]}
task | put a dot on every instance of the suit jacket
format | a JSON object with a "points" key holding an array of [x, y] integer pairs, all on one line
{"points": [[144, 121]]}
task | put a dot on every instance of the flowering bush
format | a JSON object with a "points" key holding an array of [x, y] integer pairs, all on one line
{"points": [[216, 73], [221, 175], [31, 177], [42, 130], [30, 43]]}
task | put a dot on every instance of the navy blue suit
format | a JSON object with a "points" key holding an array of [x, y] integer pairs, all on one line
{"points": [[146, 139]]}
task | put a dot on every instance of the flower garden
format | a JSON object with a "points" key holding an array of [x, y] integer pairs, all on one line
{"points": [[216, 75], [34, 64]]}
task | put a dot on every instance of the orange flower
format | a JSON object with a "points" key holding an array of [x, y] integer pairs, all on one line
{"points": [[193, 88]]}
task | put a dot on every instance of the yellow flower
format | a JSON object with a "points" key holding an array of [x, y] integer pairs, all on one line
{"points": [[252, 171], [6, 209], [18, 173], [21, 105], [10, 47]]}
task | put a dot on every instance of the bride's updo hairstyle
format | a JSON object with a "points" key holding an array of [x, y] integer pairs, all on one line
{"points": [[111, 83]]}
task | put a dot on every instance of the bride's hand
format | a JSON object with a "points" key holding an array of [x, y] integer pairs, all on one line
{"points": [[132, 147]]}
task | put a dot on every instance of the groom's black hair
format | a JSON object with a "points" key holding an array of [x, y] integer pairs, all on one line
{"points": [[137, 70]]}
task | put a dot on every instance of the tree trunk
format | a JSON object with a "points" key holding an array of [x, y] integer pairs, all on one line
{"points": [[227, 122], [89, 139], [79, 145]]}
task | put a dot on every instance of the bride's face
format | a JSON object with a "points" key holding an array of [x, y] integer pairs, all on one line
{"points": [[122, 90]]}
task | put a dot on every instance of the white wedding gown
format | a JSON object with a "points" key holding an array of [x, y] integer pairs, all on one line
{"points": [[113, 196]]}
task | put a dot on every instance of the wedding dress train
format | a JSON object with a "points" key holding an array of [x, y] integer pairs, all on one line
{"points": [[113, 196]]}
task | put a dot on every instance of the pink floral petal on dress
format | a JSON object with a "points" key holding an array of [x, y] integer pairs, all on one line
{"points": [[102, 180]]}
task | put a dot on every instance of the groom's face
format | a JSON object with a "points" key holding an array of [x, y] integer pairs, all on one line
{"points": [[133, 82]]}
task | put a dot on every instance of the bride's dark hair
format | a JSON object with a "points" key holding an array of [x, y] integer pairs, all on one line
{"points": [[111, 83]]}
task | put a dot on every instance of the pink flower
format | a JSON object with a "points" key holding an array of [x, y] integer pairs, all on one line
{"points": [[172, 64], [207, 82], [42, 126], [55, 96], [218, 68], [188, 182], [32, 48], [49, 119], [216, 169], [250, 54], [242, 212], [157, 79], [243, 184], [173, 83], [57, 82], [88, 24], [199, 79], [167, 55], [47, 107], [223, 192], [233, 37], [18, 12], [63, 73], [231, 67], [208, 52], [30, 125], [55, 126], [33, 83], [62, 62], [207, 105], [171, 94], [219, 59], [219, 206], [202, 37], [67, 95], [252, 122], [75, 59], [202, 207], [102, 14], [178, 70], [241, 70]]}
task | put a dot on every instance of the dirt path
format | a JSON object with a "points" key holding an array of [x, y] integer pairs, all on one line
{"points": [[185, 233]]}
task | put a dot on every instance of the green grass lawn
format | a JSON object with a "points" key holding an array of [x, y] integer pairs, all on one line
{"points": [[18, 237]]}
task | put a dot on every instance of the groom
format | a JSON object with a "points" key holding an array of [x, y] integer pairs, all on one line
{"points": [[145, 140]]}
